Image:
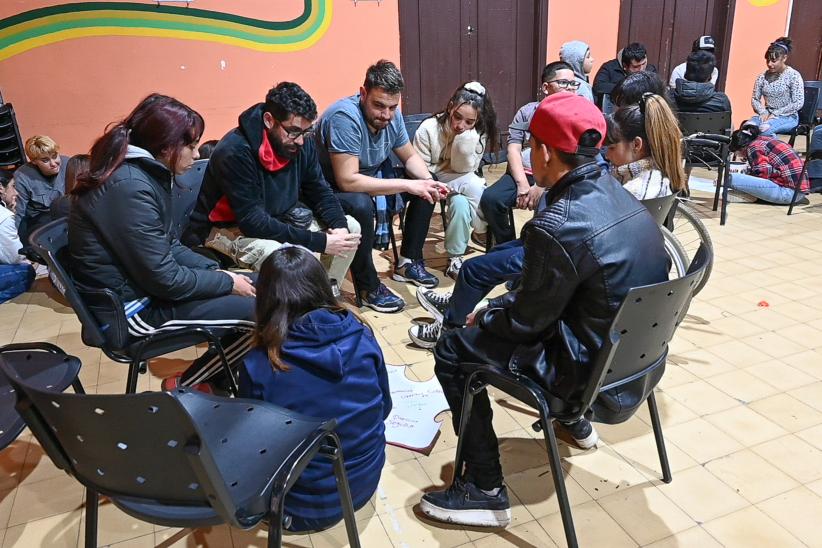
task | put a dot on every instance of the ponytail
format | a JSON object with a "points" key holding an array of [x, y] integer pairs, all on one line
{"points": [[664, 139], [107, 153]]}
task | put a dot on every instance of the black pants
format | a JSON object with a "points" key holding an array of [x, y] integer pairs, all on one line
{"points": [[229, 311], [417, 219], [496, 202], [456, 350]]}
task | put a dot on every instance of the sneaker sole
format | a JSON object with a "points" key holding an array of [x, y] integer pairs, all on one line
{"points": [[430, 308], [384, 309], [474, 518], [587, 443], [419, 342], [401, 278]]}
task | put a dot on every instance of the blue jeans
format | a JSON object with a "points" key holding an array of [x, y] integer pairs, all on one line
{"points": [[14, 280], [763, 189], [478, 276], [779, 124], [815, 169]]}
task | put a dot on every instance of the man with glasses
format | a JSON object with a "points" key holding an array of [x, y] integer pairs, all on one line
{"points": [[516, 188], [264, 188]]}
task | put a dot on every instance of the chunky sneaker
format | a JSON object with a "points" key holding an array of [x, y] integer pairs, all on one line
{"points": [[435, 303], [382, 300], [425, 335], [464, 503], [454, 265], [414, 272], [580, 433]]}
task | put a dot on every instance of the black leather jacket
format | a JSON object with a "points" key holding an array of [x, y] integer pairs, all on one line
{"points": [[120, 238], [592, 243]]}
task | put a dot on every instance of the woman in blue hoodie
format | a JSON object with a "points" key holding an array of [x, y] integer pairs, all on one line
{"points": [[317, 358]]}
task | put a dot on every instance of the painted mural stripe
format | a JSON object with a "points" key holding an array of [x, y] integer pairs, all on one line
{"points": [[66, 22]]}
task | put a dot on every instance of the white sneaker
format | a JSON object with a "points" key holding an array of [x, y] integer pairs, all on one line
{"points": [[454, 265], [425, 335]]}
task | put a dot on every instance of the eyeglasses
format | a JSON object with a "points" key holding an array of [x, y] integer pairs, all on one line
{"points": [[565, 84], [295, 133]]}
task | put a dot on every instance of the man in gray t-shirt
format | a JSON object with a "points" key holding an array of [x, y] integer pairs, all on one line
{"points": [[355, 137]]}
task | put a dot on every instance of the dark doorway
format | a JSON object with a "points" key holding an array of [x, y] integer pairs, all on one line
{"points": [[443, 43], [669, 27], [806, 33]]}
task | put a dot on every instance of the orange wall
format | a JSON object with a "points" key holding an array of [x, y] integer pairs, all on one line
{"points": [[599, 29], [756, 24], [70, 90]]}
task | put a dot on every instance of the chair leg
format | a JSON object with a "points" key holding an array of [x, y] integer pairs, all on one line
{"points": [[91, 518], [232, 383], [792, 140], [345, 493], [442, 213], [78, 387], [556, 473], [467, 406], [133, 373], [725, 177], [795, 195], [394, 241], [660, 441], [275, 525]]}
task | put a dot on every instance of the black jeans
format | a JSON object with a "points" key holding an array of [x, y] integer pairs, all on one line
{"points": [[417, 219], [454, 355], [479, 275], [496, 202]]}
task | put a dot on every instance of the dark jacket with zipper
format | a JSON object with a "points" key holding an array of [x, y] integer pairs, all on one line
{"points": [[610, 74], [120, 238], [699, 97], [592, 243], [260, 197]]}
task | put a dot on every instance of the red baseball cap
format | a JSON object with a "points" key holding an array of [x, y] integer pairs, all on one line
{"points": [[562, 118]]}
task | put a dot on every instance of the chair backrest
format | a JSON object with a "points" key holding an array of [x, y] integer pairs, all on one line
{"points": [[807, 114], [704, 122], [11, 143], [51, 243], [412, 123], [184, 197], [818, 85], [659, 207], [642, 329]]}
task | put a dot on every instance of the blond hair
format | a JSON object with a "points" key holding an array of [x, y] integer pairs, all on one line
{"points": [[41, 146], [664, 138]]}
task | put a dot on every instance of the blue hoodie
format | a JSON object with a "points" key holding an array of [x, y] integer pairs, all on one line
{"points": [[336, 371]]}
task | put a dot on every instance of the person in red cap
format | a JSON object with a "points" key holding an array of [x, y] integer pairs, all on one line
{"points": [[584, 251]]}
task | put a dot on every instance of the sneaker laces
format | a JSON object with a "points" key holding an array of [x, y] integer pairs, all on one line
{"points": [[381, 291], [455, 263], [430, 331], [440, 300]]}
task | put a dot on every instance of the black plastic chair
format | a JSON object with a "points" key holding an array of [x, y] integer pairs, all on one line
{"points": [[12, 154], [636, 347], [807, 117], [709, 154], [660, 208], [108, 330], [815, 155], [184, 195], [182, 458], [41, 364]]}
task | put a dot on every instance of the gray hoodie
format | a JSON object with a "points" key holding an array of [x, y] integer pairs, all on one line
{"points": [[574, 53]]}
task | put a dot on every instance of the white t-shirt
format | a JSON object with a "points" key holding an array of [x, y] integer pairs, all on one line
{"points": [[679, 73], [9, 240]]}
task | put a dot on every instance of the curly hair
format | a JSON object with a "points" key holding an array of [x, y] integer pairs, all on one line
{"points": [[288, 98]]}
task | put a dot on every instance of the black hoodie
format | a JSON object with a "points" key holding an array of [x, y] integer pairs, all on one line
{"points": [[258, 196], [700, 97]]}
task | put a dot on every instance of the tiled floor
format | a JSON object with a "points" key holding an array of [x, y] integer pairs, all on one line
{"points": [[741, 404]]}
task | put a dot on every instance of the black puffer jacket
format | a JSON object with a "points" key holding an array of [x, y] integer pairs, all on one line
{"points": [[120, 238], [610, 74], [583, 253], [700, 97]]}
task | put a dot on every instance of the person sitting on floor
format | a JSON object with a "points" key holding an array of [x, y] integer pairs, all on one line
{"points": [[632, 58], [38, 184], [774, 168], [451, 143], [76, 166], [315, 357], [356, 136], [695, 92], [782, 90], [120, 237], [16, 274], [583, 253], [703, 43], [263, 188]]}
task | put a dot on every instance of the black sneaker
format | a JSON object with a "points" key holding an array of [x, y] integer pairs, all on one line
{"points": [[415, 273], [425, 335], [465, 504], [382, 300], [580, 433], [435, 303]]}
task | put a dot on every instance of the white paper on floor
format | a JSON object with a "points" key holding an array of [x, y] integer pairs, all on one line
{"points": [[698, 183], [412, 423]]}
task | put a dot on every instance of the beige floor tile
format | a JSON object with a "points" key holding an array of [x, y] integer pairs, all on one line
{"points": [[746, 426], [816, 487], [780, 375], [46, 498], [702, 495], [535, 490], [12, 459], [695, 536], [762, 320], [674, 375], [370, 531], [788, 412], [594, 527], [408, 527], [798, 511], [700, 363], [797, 458], [801, 312], [742, 386], [59, 531], [630, 429], [646, 514], [812, 435], [750, 527], [527, 534], [671, 412], [701, 440], [642, 454], [702, 398], [254, 538], [210, 537], [146, 541], [602, 472], [38, 467], [808, 362], [810, 394], [740, 353], [6, 502], [751, 476], [773, 345], [113, 526], [401, 485]]}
